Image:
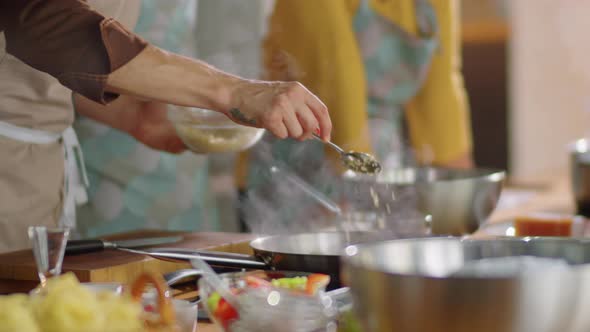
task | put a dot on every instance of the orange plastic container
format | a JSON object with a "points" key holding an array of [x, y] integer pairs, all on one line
{"points": [[543, 224]]}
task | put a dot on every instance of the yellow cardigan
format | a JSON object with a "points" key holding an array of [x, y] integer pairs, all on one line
{"points": [[314, 42]]}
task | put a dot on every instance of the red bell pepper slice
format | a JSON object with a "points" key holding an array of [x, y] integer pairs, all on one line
{"points": [[316, 282], [225, 313]]}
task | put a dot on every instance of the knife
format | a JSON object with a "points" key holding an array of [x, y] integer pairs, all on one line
{"points": [[76, 247]]}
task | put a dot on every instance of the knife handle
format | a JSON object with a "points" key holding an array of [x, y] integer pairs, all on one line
{"points": [[77, 247]]}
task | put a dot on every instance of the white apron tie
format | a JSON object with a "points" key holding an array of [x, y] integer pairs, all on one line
{"points": [[75, 178]]}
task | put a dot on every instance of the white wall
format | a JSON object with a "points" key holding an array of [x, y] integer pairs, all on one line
{"points": [[550, 82]]}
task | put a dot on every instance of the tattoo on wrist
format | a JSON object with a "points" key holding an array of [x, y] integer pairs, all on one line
{"points": [[237, 115]]}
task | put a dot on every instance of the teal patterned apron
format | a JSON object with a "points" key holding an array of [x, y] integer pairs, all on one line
{"points": [[131, 185], [396, 64]]}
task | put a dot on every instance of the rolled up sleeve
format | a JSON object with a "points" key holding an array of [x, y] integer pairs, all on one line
{"points": [[69, 41]]}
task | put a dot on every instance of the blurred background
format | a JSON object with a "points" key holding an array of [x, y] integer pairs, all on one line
{"points": [[526, 75], [524, 66]]}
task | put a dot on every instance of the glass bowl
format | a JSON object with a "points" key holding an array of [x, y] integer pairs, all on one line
{"points": [[205, 131], [186, 312], [230, 321]]}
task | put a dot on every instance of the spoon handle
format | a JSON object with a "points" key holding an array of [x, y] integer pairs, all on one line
{"points": [[334, 146], [308, 189]]}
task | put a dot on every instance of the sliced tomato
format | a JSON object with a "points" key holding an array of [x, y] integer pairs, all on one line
{"points": [[256, 282], [225, 313], [315, 282]]}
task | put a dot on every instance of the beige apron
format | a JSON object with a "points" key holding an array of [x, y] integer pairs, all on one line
{"points": [[35, 118]]}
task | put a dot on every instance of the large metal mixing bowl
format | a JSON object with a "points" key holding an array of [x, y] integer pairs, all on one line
{"points": [[457, 201], [404, 285]]}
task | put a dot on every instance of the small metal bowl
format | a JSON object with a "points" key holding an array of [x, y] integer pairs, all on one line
{"points": [[205, 131], [455, 202]]}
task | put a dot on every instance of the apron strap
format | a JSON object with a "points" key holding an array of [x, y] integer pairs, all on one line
{"points": [[76, 179], [75, 176], [28, 135]]}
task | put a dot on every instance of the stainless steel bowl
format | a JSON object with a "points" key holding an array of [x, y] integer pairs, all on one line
{"points": [[456, 201], [403, 285]]}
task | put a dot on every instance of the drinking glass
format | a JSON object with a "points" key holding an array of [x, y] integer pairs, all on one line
{"points": [[49, 245]]}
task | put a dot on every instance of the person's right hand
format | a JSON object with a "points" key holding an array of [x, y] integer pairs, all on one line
{"points": [[286, 109]]}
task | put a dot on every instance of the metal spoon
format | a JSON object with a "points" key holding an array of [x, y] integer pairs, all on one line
{"points": [[359, 162], [176, 277]]}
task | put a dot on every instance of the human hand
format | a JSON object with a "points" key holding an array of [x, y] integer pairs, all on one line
{"points": [[152, 127], [286, 109], [146, 121]]}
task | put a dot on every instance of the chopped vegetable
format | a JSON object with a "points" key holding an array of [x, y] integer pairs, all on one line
{"points": [[296, 283], [213, 301], [316, 282], [256, 282], [225, 312]]}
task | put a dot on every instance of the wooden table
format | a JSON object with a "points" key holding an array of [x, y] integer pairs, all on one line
{"points": [[18, 270]]}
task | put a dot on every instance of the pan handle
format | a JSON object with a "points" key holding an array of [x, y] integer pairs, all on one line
{"points": [[76, 247], [225, 259], [219, 259]]}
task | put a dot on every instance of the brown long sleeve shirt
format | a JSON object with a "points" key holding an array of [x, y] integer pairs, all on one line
{"points": [[41, 42], [69, 41]]}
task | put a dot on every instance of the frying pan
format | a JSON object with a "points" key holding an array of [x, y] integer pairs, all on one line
{"points": [[306, 252]]}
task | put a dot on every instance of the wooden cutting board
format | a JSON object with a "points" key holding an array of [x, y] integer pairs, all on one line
{"points": [[18, 271]]}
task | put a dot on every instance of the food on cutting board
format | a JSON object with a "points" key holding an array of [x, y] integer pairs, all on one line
{"points": [[309, 285], [543, 224], [16, 314], [65, 305]]}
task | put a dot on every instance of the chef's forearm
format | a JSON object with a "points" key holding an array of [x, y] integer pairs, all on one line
{"points": [[117, 114], [166, 77]]}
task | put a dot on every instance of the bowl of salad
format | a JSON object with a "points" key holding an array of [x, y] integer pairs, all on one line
{"points": [[297, 288]]}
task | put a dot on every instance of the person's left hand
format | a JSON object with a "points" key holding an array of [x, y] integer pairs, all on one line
{"points": [[152, 127]]}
